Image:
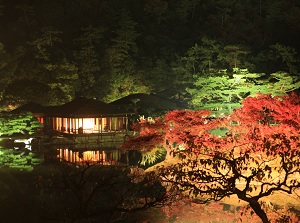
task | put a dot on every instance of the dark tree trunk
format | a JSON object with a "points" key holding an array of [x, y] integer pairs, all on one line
{"points": [[254, 204], [256, 207]]}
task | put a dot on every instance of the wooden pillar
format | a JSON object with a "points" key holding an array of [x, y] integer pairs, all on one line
{"points": [[75, 125], [69, 125]]}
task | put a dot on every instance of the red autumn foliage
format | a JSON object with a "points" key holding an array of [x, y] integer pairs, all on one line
{"points": [[178, 127], [149, 135], [263, 124], [260, 151], [269, 125], [271, 109]]}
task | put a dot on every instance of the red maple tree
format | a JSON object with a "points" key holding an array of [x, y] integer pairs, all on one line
{"points": [[258, 155]]}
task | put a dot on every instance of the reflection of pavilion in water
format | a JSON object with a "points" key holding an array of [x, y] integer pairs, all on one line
{"points": [[101, 157]]}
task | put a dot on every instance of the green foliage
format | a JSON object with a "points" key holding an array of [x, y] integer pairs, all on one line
{"points": [[233, 55], [57, 85], [52, 68], [87, 56], [151, 157], [22, 160], [287, 57], [279, 83], [124, 43], [202, 57], [211, 56], [224, 93], [24, 123], [185, 10], [63, 82], [203, 66], [46, 42], [122, 85]]}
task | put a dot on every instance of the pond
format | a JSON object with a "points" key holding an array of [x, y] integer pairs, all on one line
{"points": [[45, 183], [48, 184], [26, 157]]}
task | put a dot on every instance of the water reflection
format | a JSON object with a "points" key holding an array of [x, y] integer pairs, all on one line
{"points": [[19, 158], [92, 156], [25, 156]]}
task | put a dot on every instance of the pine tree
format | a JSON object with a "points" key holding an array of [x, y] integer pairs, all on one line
{"points": [[123, 44], [223, 93], [55, 70], [88, 58], [46, 44], [125, 79], [24, 123]]}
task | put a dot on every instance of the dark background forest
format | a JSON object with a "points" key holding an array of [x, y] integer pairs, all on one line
{"points": [[54, 50]]}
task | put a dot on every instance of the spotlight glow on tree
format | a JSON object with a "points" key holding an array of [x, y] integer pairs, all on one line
{"points": [[258, 156], [24, 123], [222, 93]]}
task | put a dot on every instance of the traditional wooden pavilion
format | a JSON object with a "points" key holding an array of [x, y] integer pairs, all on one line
{"points": [[85, 124], [90, 123], [80, 116], [85, 116]]}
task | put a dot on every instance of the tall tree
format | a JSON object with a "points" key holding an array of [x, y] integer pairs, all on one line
{"points": [[88, 58], [123, 44], [160, 78], [46, 43], [122, 85], [7, 68], [63, 82], [233, 56], [54, 69], [198, 61], [125, 78], [3, 55], [202, 57], [285, 57], [185, 10]]}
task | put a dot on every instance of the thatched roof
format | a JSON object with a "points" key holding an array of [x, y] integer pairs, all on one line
{"points": [[79, 107], [30, 107], [83, 107], [143, 104]]}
